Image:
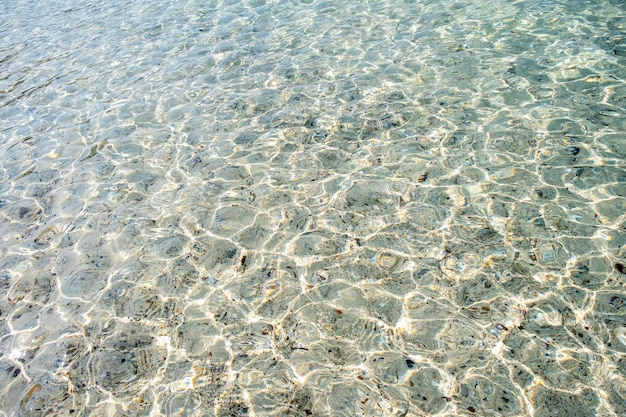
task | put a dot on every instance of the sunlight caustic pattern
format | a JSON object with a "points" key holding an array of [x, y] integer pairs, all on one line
{"points": [[313, 208]]}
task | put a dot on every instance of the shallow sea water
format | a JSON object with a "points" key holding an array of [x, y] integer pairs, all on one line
{"points": [[313, 208]]}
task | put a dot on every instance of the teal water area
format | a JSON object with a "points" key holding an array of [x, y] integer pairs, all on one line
{"points": [[313, 208]]}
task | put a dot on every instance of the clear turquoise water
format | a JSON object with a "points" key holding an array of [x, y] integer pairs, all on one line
{"points": [[326, 208]]}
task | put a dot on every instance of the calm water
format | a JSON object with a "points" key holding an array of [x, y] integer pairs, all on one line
{"points": [[313, 208]]}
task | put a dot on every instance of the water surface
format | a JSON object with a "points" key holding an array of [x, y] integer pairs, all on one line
{"points": [[294, 208]]}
